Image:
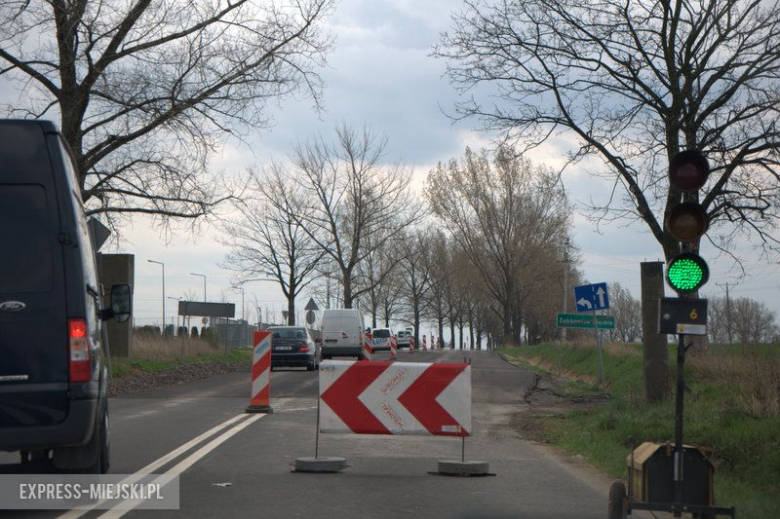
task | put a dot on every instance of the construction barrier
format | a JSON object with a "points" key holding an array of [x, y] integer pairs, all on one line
{"points": [[368, 348], [260, 400], [395, 398]]}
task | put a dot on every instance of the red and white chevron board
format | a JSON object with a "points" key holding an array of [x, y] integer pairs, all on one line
{"points": [[261, 368], [395, 398]]}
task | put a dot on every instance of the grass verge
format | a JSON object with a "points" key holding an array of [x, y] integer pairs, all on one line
{"points": [[730, 409], [161, 355]]}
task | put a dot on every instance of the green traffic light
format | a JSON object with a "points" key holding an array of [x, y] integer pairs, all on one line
{"points": [[687, 272]]}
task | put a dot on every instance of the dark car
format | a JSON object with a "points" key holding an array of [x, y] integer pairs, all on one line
{"points": [[292, 346], [53, 376]]}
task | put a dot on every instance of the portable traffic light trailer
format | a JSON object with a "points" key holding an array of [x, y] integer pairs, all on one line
{"points": [[676, 479]]}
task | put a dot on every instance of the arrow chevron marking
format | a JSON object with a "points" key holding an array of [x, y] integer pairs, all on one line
{"points": [[600, 292], [420, 399], [584, 302], [342, 397]]}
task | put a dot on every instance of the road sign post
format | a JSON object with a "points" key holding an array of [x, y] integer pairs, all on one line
{"points": [[590, 298]]}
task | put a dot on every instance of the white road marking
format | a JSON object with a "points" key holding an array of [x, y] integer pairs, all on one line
{"points": [[150, 468], [116, 513]]}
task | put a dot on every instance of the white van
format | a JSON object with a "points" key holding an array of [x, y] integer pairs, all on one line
{"points": [[342, 333]]}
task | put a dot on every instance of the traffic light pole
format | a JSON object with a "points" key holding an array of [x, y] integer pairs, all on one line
{"points": [[678, 429]]}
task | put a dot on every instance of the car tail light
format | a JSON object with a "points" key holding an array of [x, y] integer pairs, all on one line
{"points": [[304, 347], [80, 366]]}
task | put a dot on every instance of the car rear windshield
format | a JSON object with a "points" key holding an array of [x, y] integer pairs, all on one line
{"points": [[25, 233], [382, 334], [288, 333]]}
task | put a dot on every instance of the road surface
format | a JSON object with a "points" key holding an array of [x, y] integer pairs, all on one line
{"points": [[233, 464]]}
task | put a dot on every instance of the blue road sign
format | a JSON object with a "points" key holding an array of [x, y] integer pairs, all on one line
{"points": [[591, 297]]}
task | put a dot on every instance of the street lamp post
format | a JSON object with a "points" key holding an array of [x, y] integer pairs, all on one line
{"points": [[243, 319], [163, 291], [204, 284]]}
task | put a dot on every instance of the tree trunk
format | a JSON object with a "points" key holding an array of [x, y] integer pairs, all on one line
{"points": [[347, 287], [291, 310]]}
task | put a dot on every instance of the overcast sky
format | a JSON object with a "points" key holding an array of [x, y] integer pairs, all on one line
{"points": [[380, 75]]}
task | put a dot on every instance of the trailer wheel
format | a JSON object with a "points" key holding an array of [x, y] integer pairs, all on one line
{"points": [[617, 501]]}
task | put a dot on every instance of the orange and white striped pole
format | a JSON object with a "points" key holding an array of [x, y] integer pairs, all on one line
{"points": [[368, 346], [260, 401], [411, 344], [393, 347]]}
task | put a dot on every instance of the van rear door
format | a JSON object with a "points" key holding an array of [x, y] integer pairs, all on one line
{"points": [[33, 313], [341, 331]]}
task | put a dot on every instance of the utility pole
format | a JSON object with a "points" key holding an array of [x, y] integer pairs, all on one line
{"points": [[565, 301], [163, 291], [728, 309]]}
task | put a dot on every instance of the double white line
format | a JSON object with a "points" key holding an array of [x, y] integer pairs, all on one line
{"points": [[234, 425]]}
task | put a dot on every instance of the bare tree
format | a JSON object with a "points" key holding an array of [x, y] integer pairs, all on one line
{"points": [[414, 276], [351, 202], [743, 320], [379, 299], [266, 242], [502, 215], [627, 312], [146, 90], [634, 82], [440, 270]]}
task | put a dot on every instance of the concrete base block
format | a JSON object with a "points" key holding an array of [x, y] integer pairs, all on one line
{"points": [[464, 468], [326, 464]]}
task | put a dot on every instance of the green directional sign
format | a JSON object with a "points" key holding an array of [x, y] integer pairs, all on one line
{"points": [[605, 322]]}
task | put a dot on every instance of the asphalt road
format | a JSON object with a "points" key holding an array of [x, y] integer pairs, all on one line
{"points": [[244, 466]]}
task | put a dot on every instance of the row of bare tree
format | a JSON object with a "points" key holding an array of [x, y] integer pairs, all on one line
{"points": [[485, 254]]}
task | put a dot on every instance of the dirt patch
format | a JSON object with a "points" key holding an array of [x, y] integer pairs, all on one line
{"points": [[547, 365], [138, 381], [549, 397]]}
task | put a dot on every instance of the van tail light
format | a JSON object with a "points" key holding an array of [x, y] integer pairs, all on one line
{"points": [[80, 367], [344, 335]]}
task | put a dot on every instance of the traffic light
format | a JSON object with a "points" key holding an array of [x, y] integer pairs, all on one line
{"points": [[687, 272], [687, 221]]}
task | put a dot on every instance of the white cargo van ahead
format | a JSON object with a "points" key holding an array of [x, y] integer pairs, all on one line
{"points": [[342, 333]]}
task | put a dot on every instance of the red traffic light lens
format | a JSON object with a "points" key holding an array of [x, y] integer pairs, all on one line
{"points": [[687, 221], [688, 170]]}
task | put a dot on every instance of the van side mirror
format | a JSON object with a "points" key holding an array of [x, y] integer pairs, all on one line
{"points": [[121, 305]]}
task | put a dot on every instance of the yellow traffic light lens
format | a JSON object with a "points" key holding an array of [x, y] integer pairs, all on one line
{"points": [[687, 221], [687, 272]]}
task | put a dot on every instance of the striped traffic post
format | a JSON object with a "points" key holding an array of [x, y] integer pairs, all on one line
{"points": [[368, 348], [260, 401], [411, 344], [424, 344], [393, 347]]}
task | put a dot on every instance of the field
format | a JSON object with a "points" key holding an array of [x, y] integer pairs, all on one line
{"points": [[732, 407]]}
